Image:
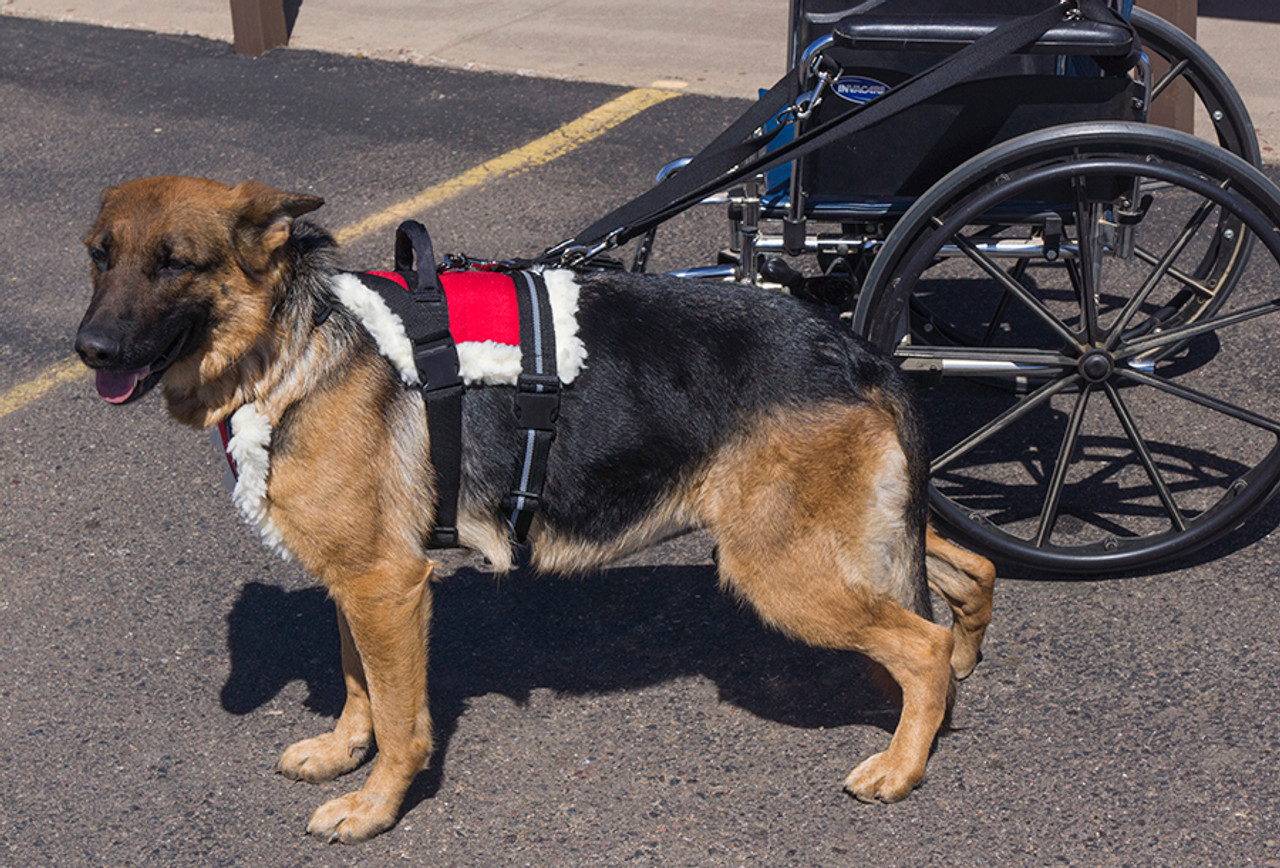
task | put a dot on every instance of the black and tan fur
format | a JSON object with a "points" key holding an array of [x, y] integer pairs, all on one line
{"points": [[735, 410]]}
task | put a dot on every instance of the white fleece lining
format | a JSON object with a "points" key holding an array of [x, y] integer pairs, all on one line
{"points": [[562, 292], [250, 448], [485, 363], [488, 363], [384, 326]]}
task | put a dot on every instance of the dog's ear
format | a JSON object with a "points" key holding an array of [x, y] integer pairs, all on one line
{"points": [[265, 217]]}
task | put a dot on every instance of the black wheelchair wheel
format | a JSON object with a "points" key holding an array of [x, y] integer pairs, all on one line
{"points": [[1081, 421]]}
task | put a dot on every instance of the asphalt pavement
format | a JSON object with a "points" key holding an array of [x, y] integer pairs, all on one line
{"points": [[159, 659]]}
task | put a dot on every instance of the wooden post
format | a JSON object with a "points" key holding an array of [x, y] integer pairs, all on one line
{"points": [[1176, 107], [258, 25]]}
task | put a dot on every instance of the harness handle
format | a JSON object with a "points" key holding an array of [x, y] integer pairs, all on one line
{"points": [[413, 246]]}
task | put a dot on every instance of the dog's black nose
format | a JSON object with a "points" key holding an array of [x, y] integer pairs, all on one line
{"points": [[97, 347]]}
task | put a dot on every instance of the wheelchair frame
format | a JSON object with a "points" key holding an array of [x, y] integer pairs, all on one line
{"points": [[1043, 266]]}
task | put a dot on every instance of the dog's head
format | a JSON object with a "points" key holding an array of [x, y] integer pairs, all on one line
{"points": [[185, 274]]}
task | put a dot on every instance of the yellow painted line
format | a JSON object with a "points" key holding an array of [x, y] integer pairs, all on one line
{"points": [[555, 144], [23, 394]]}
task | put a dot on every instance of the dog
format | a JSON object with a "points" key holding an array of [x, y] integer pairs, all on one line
{"points": [[741, 411]]}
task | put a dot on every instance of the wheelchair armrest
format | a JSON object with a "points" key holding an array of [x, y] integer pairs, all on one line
{"points": [[952, 32]]}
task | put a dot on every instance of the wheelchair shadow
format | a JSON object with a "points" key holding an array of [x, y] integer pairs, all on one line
{"points": [[626, 628]]}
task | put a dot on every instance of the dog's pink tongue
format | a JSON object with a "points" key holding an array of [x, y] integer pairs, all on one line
{"points": [[117, 386]]}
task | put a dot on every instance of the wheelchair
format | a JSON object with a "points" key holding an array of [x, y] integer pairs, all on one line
{"points": [[1085, 299]]}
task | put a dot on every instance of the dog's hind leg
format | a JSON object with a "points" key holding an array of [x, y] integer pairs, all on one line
{"points": [[966, 582], [388, 611], [812, 517], [327, 756], [807, 599]]}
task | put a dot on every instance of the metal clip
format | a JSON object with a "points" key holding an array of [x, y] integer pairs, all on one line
{"points": [[579, 254], [826, 71]]}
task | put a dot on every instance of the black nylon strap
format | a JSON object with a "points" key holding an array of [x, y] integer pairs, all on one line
{"points": [[699, 178], [737, 143], [424, 311], [537, 401]]}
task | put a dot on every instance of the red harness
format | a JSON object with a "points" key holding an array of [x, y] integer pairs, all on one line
{"points": [[482, 305]]}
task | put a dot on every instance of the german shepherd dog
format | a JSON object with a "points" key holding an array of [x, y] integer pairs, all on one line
{"points": [[741, 411]]}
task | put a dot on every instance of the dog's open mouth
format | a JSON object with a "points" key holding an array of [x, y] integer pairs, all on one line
{"points": [[121, 387], [118, 386]]}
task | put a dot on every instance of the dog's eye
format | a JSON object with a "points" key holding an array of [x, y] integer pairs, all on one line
{"points": [[98, 256], [175, 265]]}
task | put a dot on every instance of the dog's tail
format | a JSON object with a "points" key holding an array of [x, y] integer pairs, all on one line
{"points": [[964, 580], [915, 518]]}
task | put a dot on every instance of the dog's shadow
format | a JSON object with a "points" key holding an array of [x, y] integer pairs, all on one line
{"points": [[628, 627]]}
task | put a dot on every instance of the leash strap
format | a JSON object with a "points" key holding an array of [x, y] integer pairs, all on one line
{"points": [[727, 159], [537, 401]]}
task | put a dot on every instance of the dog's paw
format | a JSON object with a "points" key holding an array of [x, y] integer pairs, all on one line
{"points": [[878, 779], [323, 758], [352, 818]]}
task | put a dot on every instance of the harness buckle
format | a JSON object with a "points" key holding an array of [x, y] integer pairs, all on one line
{"points": [[436, 358], [537, 403]]}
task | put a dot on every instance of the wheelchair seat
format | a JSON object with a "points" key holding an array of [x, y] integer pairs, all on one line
{"points": [[951, 32]]}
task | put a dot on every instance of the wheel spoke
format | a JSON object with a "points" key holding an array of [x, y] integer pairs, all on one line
{"points": [[1162, 267], [1201, 399], [1017, 290], [1201, 289], [1001, 422], [1145, 456], [1191, 330], [1053, 498], [1174, 71]]}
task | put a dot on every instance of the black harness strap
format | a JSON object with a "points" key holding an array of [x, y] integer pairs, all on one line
{"points": [[537, 401], [424, 312]]}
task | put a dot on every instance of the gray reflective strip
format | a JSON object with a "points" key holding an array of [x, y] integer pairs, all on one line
{"points": [[524, 474], [537, 322]]}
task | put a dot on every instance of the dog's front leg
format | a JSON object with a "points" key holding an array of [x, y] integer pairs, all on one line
{"points": [[387, 612], [327, 756]]}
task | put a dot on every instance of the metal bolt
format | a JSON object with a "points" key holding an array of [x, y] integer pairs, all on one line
{"points": [[1218, 116]]}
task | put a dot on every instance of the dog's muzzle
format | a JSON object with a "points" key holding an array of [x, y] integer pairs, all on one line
{"points": [[117, 384]]}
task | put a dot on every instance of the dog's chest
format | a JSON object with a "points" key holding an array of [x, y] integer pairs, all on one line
{"points": [[484, 323]]}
